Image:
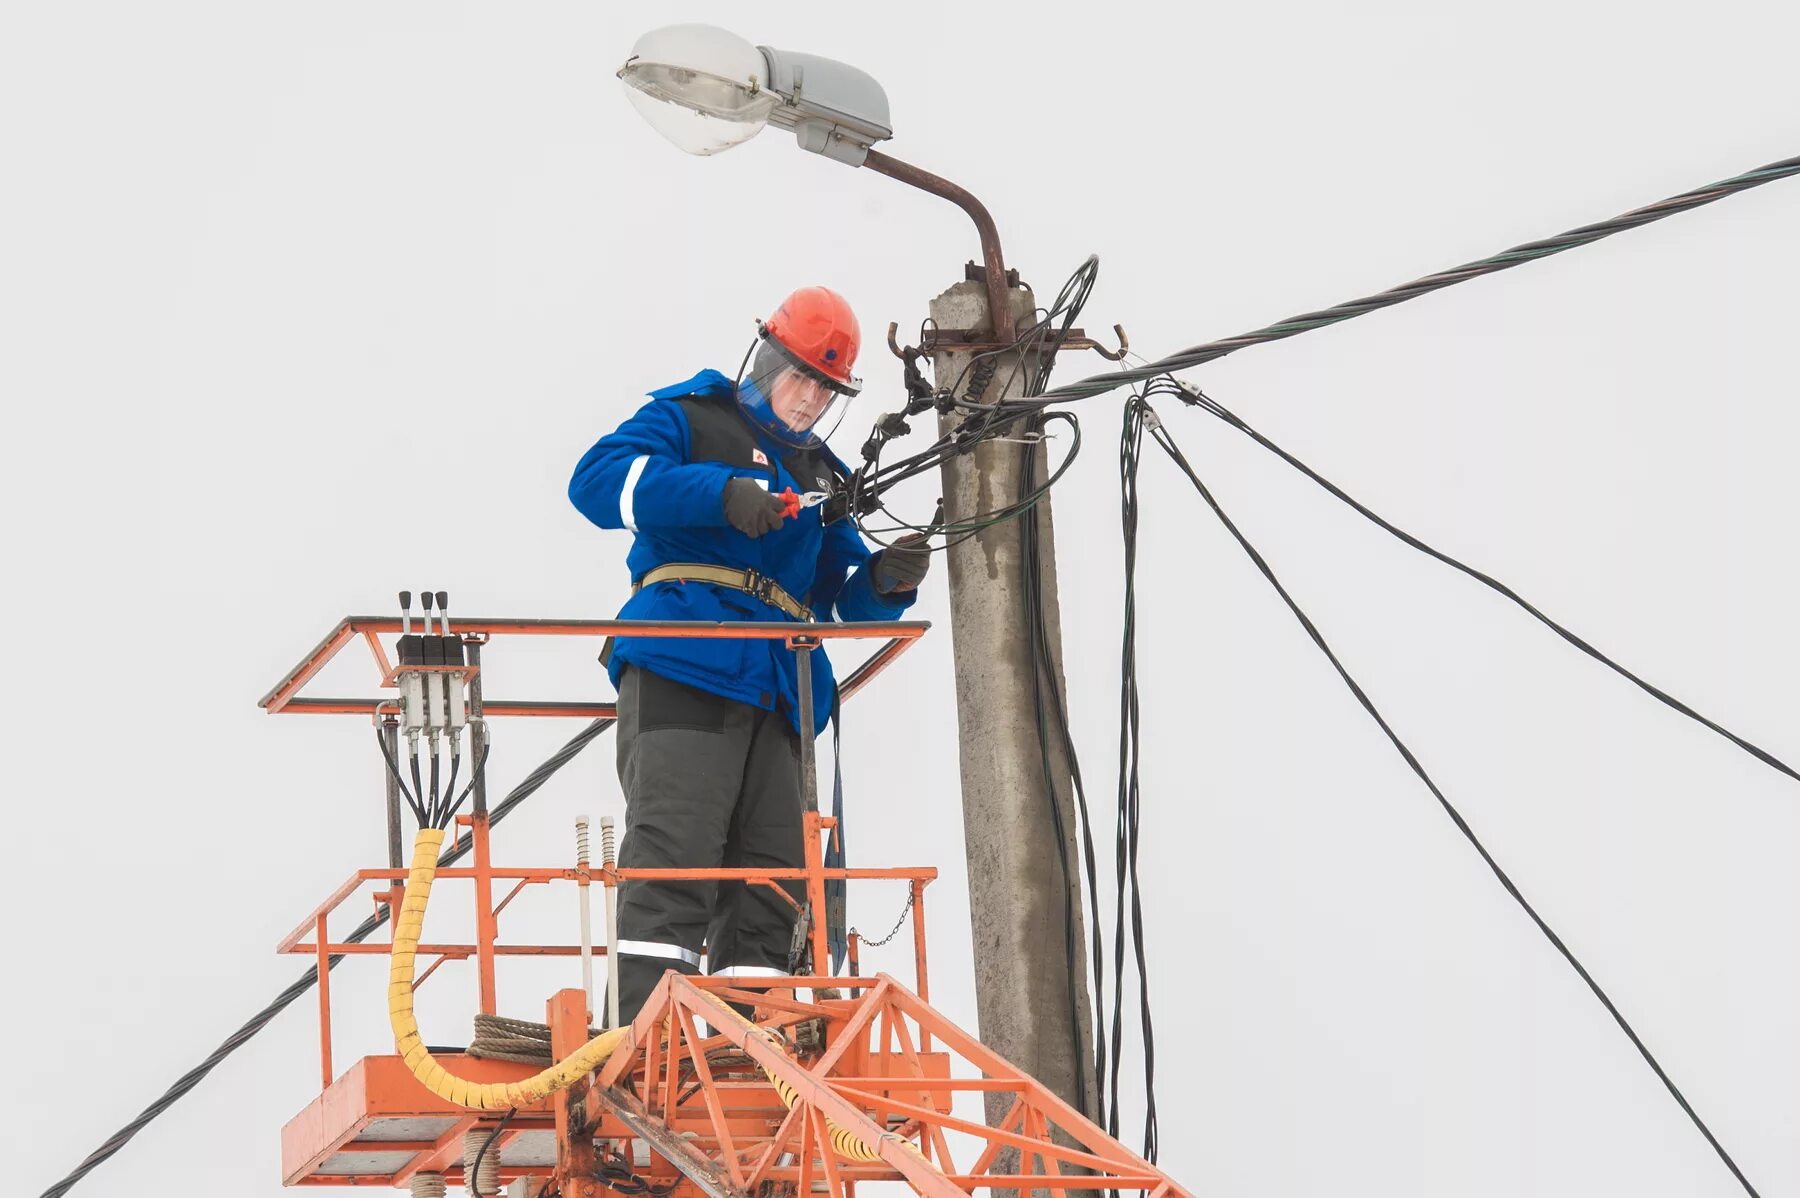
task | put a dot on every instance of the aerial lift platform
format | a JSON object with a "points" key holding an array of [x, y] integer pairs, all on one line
{"points": [[838, 1080]]}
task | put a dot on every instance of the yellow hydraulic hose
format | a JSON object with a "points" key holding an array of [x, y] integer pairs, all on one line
{"points": [[500, 1096], [847, 1144], [481, 1096], [845, 1141]]}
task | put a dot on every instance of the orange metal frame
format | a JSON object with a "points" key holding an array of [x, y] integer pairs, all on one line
{"points": [[285, 698], [696, 1084], [875, 1076], [311, 937]]}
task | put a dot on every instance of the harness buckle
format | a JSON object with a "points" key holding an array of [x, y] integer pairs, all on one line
{"points": [[760, 585]]}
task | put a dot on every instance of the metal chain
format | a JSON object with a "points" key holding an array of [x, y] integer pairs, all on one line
{"points": [[893, 931]]}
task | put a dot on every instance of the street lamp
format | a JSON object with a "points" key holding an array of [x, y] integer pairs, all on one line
{"points": [[707, 89]]}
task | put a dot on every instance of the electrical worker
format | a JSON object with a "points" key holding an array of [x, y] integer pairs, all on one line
{"points": [[708, 749]]}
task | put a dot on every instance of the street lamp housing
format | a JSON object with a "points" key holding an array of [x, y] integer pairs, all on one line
{"points": [[699, 86], [707, 89], [833, 108]]}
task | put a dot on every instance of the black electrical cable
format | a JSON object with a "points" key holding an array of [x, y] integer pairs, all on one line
{"points": [[419, 789], [1035, 347], [1061, 712], [474, 781], [955, 533], [450, 783], [308, 979], [1130, 808], [1161, 436], [393, 766], [436, 806], [1042, 665], [474, 1171], [1194, 396], [1068, 304], [1529, 252]]}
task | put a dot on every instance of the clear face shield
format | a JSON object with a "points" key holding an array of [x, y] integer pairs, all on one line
{"points": [[794, 404]]}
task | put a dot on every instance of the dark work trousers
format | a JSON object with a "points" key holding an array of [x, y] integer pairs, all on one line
{"points": [[709, 782]]}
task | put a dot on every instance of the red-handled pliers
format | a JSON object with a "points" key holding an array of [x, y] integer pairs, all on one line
{"points": [[796, 500]]}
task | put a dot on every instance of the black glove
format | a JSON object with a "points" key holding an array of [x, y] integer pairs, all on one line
{"points": [[902, 565], [751, 509]]}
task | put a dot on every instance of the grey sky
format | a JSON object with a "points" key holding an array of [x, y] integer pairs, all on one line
{"points": [[267, 266]]}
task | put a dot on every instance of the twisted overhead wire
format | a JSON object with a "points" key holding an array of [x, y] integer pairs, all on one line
{"points": [[1531, 251]]}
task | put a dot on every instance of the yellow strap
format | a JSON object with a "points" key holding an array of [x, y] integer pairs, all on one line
{"points": [[748, 581]]}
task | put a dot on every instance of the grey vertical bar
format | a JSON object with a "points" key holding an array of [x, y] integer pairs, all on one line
{"points": [[478, 729], [390, 736], [809, 765]]}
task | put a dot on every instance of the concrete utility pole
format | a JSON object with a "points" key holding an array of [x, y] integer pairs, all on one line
{"points": [[1025, 983]]}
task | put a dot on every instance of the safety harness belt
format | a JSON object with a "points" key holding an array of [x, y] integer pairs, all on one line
{"points": [[748, 581]]}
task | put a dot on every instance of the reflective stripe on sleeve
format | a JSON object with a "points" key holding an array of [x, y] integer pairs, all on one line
{"points": [[632, 474]]}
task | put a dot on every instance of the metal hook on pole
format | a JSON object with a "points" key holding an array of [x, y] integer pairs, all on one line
{"points": [[1124, 346]]}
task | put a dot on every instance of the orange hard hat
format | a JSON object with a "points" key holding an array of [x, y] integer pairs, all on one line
{"points": [[819, 334]]}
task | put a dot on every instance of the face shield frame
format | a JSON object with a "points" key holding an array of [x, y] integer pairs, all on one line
{"points": [[765, 363]]}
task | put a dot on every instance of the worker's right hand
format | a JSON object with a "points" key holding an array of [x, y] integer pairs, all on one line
{"points": [[750, 508]]}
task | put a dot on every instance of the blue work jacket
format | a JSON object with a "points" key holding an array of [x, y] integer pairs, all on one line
{"points": [[662, 475]]}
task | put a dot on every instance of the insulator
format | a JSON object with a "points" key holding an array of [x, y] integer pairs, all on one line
{"points": [[428, 1185], [486, 1179], [607, 857], [581, 841]]}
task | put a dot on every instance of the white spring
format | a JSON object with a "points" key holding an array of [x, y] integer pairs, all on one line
{"points": [[581, 841], [428, 1185], [486, 1179], [606, 841]]}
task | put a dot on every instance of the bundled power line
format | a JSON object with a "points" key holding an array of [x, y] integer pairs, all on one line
{"points": [[1162, 438], [1518, 255], [875, 478], [1125, 862], [1191, 394]]}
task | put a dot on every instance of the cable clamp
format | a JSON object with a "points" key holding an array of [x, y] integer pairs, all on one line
{"points": [[1191, 390]]}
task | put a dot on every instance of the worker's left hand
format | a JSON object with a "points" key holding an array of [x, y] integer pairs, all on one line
{"points": [[902, 565]]}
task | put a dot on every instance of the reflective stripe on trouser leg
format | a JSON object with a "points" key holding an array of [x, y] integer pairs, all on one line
{"points": [[650, 948], [745, 971]]}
